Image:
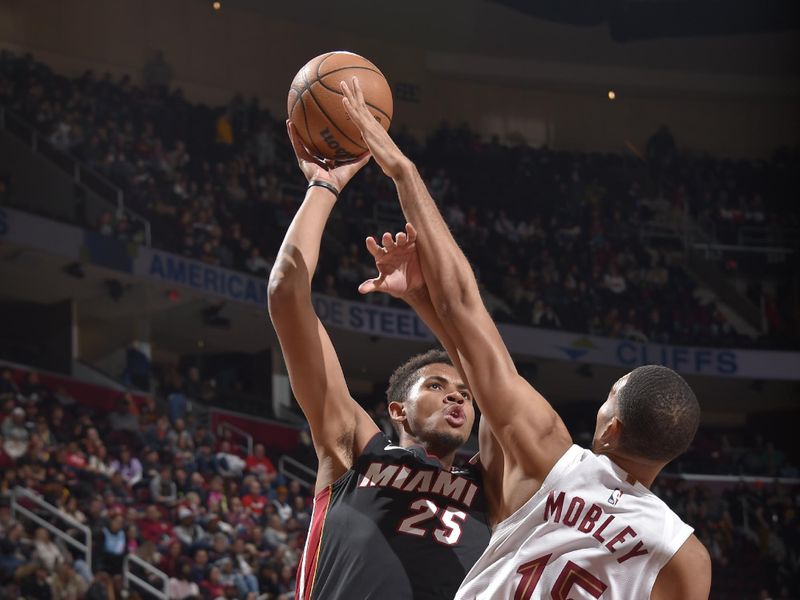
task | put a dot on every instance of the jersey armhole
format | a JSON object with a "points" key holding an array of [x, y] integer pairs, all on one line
{"points": [[378, 438], [563, 465]]}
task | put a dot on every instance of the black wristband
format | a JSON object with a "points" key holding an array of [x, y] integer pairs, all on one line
{"points": [[324, 184]]}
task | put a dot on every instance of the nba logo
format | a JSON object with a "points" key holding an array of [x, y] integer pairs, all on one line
{"points": [[614, 497]]}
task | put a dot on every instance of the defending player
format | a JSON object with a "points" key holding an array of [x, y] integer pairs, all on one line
{"points": [[389, 521], [568, 522]]}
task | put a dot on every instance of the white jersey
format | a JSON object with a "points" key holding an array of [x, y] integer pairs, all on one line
{"points": [[587, 533]]}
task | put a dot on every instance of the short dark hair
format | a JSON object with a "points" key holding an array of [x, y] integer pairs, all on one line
{"points": [[659, 413], [403, 377]]}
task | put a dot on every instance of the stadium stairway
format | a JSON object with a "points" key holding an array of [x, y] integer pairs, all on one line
{"points": [[677, 229]]}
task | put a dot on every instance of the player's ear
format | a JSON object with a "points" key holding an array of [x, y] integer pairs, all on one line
{"points": [[610, 435], [397, 412]]}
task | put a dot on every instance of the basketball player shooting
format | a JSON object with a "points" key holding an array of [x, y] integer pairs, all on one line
{"points": [[567, 522], [390, 522]]}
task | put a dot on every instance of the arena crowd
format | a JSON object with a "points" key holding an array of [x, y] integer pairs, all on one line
{"points": [[564, 229], [224, 524]]}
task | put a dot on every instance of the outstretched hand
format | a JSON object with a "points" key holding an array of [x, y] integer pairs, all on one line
{"points": [[399, 272], [322, 170], [382, 147]]}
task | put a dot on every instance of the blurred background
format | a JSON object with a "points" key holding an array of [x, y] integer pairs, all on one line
{"points": [[623, 175]]}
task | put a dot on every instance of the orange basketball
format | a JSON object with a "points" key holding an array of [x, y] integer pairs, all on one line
{"points": [[315, 104]]}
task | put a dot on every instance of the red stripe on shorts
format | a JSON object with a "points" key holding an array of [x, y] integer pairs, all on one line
{"points": [[307, 569]]}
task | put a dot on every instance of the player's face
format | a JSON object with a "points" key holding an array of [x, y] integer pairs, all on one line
{"points": [[439, 408], [604, 416]]}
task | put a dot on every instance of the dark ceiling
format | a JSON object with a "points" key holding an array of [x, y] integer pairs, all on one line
{"points": [[651, 19]]}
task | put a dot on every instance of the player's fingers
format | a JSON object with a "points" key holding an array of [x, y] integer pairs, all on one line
{"points": [[299, 148], [352, 111], [362, 161], [348, 107], [346, 90], [350, 101], [412, 233], [387, 240], [400, 239], [370, 285], [359, 94], [373, 248]]}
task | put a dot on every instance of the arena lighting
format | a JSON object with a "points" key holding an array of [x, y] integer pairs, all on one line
{"points": [[612, 95]]}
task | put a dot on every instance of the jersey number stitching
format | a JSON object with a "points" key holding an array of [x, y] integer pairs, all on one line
{"points": [[449, 516], [571, 575]]}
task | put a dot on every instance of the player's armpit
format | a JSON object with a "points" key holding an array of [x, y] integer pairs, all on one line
{"points": [[687, 576], [340, 428], [490, 460]]}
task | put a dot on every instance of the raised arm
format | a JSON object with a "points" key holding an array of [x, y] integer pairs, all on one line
{"points": [[339, 426], [532, 435]]}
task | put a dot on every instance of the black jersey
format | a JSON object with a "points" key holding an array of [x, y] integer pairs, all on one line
{"points": [[396, 526]]}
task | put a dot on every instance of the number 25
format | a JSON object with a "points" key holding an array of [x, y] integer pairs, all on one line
{"points": [[450, 518]]}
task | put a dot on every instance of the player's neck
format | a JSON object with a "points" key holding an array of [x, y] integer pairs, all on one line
{"points": [[406, 441], [643, 472]]}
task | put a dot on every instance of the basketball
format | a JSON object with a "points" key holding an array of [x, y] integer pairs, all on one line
{"points": [[315, 104]]}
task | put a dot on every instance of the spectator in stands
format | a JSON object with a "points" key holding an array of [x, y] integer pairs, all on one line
{"points": [[188, 531], [99, 465], [157, 435], [212, 587], [128, 466], [153, 526], [259, 463], [43, 432], [281, 503], [101, 588], [124, 418], [64, 398], [71, 509], [33, 391], [181, 586], [8, 387], [179, 434], [254, 501], [220, 548], [256, 263], [227, 463], [15, 433], [75, 457], [60, 425], [275, 534], [12, 542], [199, 565], [46, 551], [162, 488], [170, 558], [7, 520], [301, 512], [66, 584], [113, 544], [36, 585]]}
